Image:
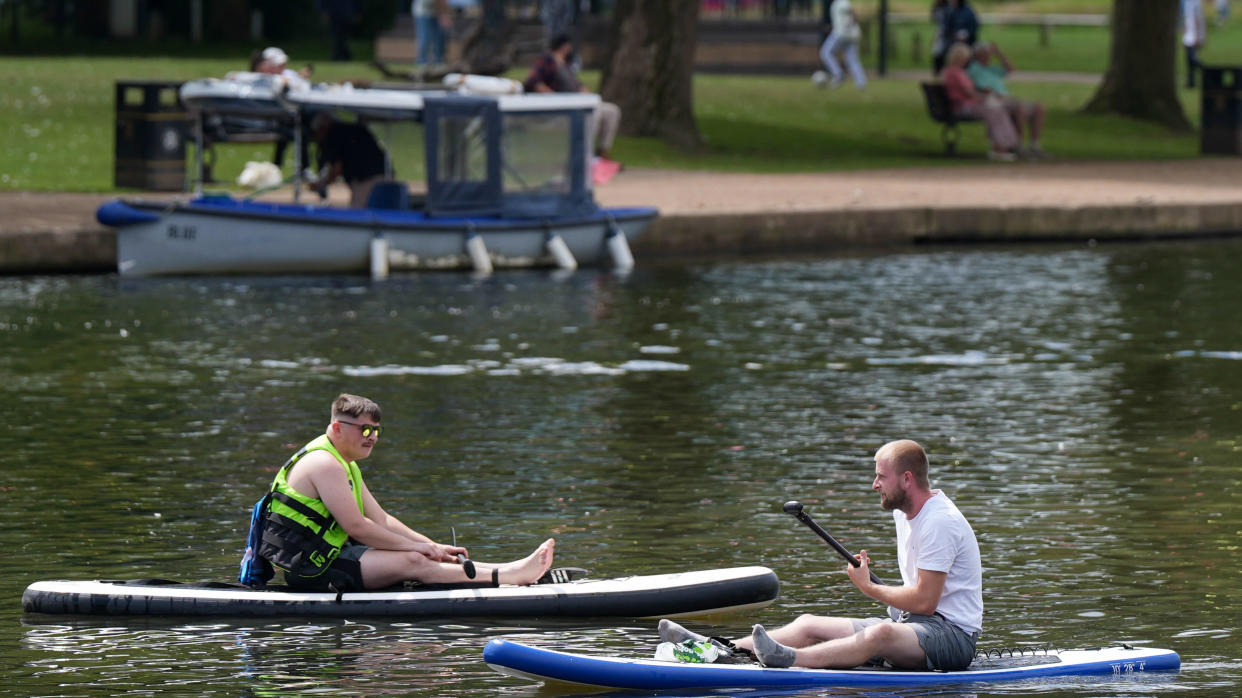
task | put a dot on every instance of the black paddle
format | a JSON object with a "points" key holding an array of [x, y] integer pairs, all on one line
{"points": [[795, 508], [466, 563]]}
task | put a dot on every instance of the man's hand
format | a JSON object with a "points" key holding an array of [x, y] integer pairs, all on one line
{"points": [[861, 575], [438, 552]]}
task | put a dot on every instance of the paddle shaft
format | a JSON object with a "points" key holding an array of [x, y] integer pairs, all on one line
{"points": [[805, 518], [467, 564]]}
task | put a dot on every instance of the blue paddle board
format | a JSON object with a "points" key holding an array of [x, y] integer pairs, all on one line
{"points": [[516, 659]]}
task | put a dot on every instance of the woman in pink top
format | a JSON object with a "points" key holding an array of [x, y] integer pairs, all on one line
{"points": [[968, 103]]}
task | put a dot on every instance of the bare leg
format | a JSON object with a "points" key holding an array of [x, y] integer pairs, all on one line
{"points": [[1037, 121], [1017, 112], [382, 568], [896, 642], [806, 630]]}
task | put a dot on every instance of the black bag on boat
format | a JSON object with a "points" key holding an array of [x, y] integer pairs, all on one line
{"points": [[256, 571]]}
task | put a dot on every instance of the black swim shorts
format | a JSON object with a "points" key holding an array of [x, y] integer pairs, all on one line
{"points": [[344, 574]]}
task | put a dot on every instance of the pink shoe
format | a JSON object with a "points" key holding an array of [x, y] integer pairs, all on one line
{"points": [[603, 170]]}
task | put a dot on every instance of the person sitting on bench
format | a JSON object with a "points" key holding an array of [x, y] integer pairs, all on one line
{"points": [[989, 80], [969, 103]]}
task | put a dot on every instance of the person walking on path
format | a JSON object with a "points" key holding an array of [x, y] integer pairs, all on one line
{"points": [[326, 531], [339, 14], [843, 41], [935, 616], [940, 43], [1194, 32], [961, 23], [432, 20]]}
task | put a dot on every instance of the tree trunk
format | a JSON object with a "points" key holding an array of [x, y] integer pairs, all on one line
{"points": [[488, 50], [1141, 81], [14, 32], [649, 69]]}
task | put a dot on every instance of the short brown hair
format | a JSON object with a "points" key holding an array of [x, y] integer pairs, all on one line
{"points": [[906, 455], [354, 406]]}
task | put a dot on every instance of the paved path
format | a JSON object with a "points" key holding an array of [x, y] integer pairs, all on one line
{"points": [[706, 213]]}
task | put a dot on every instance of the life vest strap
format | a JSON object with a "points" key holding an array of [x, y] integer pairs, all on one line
{"points": [[324, 522]]}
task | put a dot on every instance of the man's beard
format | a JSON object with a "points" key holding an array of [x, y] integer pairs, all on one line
{"points": [[896, 500]]}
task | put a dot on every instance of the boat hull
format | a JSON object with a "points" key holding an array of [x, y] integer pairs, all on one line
{"points": [[203, 237], [648, 674], [683, 594]]}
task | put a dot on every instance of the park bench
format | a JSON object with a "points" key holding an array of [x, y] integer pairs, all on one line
{"points": [[941, 112]]}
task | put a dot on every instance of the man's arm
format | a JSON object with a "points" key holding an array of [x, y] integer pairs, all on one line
{"points": [[1000, 56], [923, 598], [373, 510], [331, 486], [543, 76]]}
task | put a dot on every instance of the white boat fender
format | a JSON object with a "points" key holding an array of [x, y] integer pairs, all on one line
{"points": [[478, 252], [560, 252], [379, 257], [619, 247], [482, 84]]}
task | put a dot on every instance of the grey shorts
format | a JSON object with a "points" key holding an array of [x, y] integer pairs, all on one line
{"points": [[344, 574], [948, 647]]}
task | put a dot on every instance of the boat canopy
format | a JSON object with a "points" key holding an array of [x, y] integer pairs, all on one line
{"points": [[513, 155], [245, 94], [518, 156]]}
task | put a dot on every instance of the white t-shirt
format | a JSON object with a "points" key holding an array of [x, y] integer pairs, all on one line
{"points": [[1192, 23], [941, 540], [843, 24]]}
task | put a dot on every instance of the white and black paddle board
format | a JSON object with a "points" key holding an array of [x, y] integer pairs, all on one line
{"points": [[681, 594]]}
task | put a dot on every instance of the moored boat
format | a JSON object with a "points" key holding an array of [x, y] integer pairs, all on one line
{"points": [[681, 594], [507, 185]]}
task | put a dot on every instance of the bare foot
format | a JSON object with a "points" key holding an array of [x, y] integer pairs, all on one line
{"points": [[530, 568]]}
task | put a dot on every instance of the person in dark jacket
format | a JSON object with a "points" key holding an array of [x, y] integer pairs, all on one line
{"points": [[349, 152], [961, 23], [339, 14]]}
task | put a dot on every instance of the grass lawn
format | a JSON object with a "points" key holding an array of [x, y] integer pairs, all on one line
{"points": [[57, 116]]}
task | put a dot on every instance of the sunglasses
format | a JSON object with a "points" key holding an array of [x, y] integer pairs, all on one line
{"points": [[366, 429]]}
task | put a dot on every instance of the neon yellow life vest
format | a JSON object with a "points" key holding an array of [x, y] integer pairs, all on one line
{"points": [[300, 535]]}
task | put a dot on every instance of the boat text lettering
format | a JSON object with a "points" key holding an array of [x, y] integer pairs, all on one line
{"points": [[182, 232]]}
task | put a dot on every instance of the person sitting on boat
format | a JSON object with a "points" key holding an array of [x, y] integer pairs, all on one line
{"points": [[934, 618], [554, 72], [325, 530], [274, 61], [347, 151]]}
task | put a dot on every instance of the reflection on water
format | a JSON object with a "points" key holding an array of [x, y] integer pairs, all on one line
{"points": [[1081, 406]]}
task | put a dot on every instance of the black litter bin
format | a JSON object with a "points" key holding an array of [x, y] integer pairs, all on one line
{"points": [[151, 130], [1222, 111]]}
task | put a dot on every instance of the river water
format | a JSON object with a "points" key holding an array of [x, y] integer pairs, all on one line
{"points": [[1081, 406]]}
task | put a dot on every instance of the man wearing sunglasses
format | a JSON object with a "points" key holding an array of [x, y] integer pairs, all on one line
{"points": [[325, 530]]}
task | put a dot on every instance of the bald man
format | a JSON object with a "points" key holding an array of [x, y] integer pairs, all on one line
{"points": [[934, 617]]}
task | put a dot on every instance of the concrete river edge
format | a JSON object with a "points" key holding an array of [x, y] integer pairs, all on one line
{"points": [[708, 214]]}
